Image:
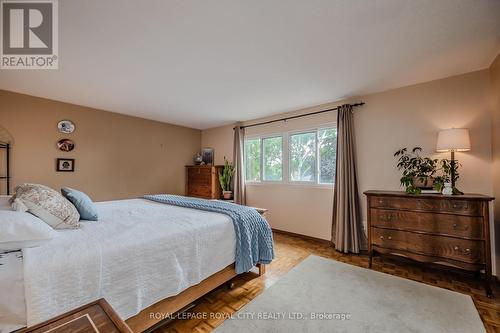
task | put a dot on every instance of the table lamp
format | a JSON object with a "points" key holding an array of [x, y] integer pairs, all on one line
{"points": [[452, 140]]}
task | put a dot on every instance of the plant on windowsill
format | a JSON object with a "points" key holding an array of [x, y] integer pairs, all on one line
{"points": [[226, 178]]}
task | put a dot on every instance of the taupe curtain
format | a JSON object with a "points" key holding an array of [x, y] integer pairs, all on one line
{"points": [[238, 160], [346, 228]]}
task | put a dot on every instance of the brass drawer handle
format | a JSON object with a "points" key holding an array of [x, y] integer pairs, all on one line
{"points": [[466, 252], [459, 205], [381, 237], [386, 218], [389, 237], [455, 226]]}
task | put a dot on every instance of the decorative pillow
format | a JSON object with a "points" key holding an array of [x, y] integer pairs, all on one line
{"points": [[82, 202], [22, 230], [49, 205]]}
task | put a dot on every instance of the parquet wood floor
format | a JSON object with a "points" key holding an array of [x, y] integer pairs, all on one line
{"points": [[211, 310]]}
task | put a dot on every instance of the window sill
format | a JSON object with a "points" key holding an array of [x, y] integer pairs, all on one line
{"points": [[305, 185]]}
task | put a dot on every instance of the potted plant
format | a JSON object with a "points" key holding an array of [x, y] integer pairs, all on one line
{"points": [[418, 171], [225, 179]]}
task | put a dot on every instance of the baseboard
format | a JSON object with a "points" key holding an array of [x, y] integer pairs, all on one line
{"points": [[305, 237]]}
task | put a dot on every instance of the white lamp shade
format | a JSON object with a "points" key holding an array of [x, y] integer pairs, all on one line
{"points": [[453, 139]]}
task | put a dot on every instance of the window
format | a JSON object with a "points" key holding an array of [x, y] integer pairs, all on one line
{"points": [[309, 157], [272, 157], [327, 153], [303, 157], [252, 160]]}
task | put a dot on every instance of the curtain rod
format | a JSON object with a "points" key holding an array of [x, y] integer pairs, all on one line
{"points": [[299, 116]]}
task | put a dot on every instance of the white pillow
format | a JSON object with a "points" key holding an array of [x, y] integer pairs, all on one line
{"points": [[21, 230], [5, 202]]}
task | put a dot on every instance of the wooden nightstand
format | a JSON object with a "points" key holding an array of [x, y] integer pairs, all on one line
{"points": [[261, 211], [96, 317]]}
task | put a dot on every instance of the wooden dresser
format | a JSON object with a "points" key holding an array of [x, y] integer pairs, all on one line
{"points": [[202, 181], [432, 228], [96, 317]]}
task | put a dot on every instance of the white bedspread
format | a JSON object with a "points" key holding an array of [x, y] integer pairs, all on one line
{"points": [[138, 253], [12, 307]]}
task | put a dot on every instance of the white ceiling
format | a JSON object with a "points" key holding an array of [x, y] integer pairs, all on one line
{"points": [[206, 63]]}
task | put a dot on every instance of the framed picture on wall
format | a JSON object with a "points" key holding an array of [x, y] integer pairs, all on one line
{"points": [[208, 155], [65, 145], [65, 165]]}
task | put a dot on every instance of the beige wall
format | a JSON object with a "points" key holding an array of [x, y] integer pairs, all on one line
{"points": [[221, 139], [116, 156], [495, 100], [408, 116]]}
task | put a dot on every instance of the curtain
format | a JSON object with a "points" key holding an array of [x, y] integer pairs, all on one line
{"points": [[346, 227], [238, 160]]}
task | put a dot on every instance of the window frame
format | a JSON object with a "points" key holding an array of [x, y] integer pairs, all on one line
{"points": [[286, 179], [261, 142]]}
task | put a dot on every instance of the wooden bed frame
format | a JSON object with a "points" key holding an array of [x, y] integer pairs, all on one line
{"points": [[153, 315]]}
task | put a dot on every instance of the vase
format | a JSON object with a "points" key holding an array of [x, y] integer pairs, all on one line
{"points": [[227, 195], [198, 159], [425, 183], [447, 189]]}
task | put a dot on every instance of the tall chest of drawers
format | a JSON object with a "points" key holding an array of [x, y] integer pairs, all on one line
{"points": [[202, 181], [432, 228]]}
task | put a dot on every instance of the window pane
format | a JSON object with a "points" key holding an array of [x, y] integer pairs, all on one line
{"points": [[303, 157], [273, 158], [252, 159], [327, 147]]}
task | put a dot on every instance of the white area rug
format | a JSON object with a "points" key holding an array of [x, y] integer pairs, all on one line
{"points": [[323, 295]]}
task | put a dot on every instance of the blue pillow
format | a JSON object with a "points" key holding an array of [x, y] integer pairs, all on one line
{"points": [[82, 202]]}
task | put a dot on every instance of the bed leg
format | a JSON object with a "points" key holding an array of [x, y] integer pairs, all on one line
{"points": [[262, 269]]}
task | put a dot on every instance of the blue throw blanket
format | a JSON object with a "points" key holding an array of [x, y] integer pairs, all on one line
{"points": [[254, 238]]}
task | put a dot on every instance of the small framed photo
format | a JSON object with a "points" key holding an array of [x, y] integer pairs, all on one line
{"points": [[208, 156], [65, 165]]}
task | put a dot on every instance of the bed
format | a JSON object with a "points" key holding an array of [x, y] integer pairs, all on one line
{"points": [[141, 256]]}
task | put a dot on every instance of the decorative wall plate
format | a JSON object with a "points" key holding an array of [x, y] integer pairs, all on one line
{"points": [[66, 126], [66, 145]]}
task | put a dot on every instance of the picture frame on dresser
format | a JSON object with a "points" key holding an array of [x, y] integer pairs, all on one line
{"points": [[432, 228]]}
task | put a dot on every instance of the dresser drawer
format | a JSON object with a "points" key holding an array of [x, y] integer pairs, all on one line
{"points": [[456, 206], [201, 191], [437, 246], [199, 173], [445, 224]]}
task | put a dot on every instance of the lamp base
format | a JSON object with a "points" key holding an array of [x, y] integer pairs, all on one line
{"points": [[456, 191]]}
